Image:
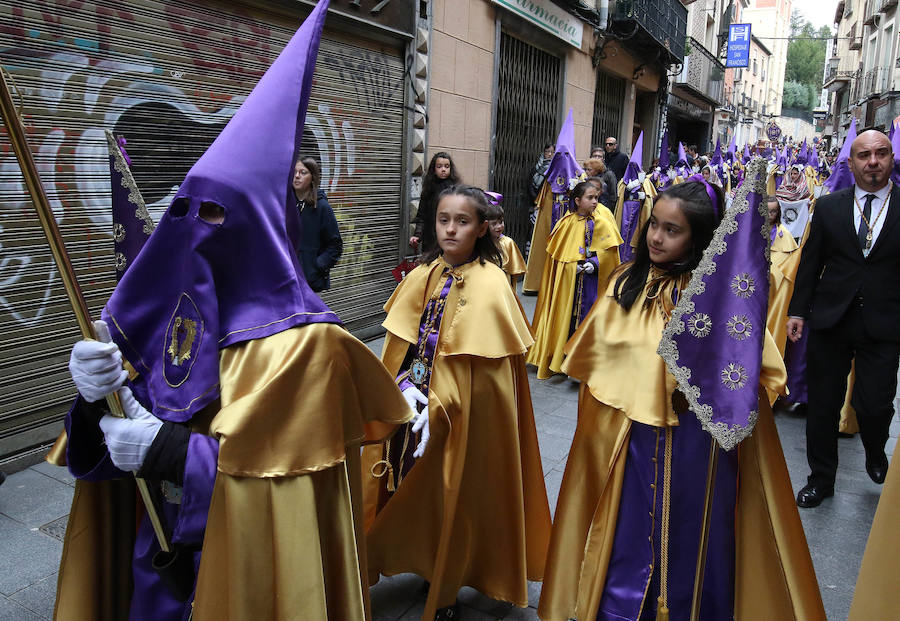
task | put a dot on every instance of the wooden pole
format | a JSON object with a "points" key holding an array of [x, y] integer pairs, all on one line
{"points": [[704, 529], [16, 133]]}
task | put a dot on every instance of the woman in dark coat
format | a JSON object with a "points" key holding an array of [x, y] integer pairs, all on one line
{"points": [[320, 243]]}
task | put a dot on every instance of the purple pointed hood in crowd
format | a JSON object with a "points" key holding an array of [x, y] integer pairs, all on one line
{"points": [[564, 166], [732, 151], [634, 164], [664, 162], [681, 166], [895, 144], [841, 176], [745, 158], [201, 284]]}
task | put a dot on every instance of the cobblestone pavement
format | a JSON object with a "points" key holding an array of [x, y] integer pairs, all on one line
{"points": [[34, 504]]}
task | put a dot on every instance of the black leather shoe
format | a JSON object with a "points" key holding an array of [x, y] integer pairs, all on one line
{"points": [[813, 495], [447, 613], [877, 467]]}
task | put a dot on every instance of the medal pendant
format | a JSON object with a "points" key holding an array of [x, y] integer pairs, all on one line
{"points": [[417, 372]]}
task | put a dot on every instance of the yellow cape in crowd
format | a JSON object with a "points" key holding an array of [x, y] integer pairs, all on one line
{"points": [[557, 297], [280, 541], [473, 509]]}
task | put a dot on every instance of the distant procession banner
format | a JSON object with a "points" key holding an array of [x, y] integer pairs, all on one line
{"points": [[738, 46], [549, 17], [773, 131]]}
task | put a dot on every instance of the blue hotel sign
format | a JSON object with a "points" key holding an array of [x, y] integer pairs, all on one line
{"points": [[738, 46]]}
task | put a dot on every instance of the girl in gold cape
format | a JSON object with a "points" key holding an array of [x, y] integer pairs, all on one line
{"points": [[443, 522], [567, 291], [626, 389], [513, 263]]}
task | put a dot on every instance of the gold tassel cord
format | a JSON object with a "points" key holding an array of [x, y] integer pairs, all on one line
{"points": [[662, 608]]}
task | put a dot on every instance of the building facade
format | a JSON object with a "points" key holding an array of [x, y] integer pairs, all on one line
{"points": [[699, 89], [503, 75], [771, 21], [863, 75]]}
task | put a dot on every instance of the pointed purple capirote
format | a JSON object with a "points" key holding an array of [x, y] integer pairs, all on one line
{"points": [[132, 223], [714, 341], [563, 170], [732, 150], [664, 162], [841, 176], [745, 158], [564, 166], [716, 160], [813, 160], [634, 164], [681, 166], [221, 268], [895, 144], [803, 155]]}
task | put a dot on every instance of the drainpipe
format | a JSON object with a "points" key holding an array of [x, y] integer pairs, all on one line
{"points": [[603, 9]]}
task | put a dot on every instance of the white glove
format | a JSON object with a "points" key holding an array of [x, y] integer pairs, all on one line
{"points": [[128, 439], [587, 267], [414, 398], [633, 184], [641, 176], [96, 367], [641, 195]]}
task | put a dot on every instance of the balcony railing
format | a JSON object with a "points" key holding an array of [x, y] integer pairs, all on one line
{"points": [[703, 74], [874, 82], [662, 21], [834, 75], [886, 5], [870, 12]]}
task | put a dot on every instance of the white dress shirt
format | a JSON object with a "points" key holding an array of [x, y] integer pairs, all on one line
{"points": [[882, 197]]}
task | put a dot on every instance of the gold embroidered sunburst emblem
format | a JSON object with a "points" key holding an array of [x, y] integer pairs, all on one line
{"points": [[699, 325], [739, 327], [121, 262], [734, 376], [118, 232], [743, 285], [183, 333]]}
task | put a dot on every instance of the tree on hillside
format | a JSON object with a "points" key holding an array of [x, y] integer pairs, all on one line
{"points": [[805, 63]]}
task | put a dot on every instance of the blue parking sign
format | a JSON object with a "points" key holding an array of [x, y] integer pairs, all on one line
{"points": [[738, 46]]}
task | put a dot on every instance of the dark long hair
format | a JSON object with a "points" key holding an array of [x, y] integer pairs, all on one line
{"points": [[315, 172], [484, 250], [703, 218], [431, 179]]}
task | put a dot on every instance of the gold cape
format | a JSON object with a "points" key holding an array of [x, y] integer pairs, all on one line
{"points": [[513, 261], [557, 297], [646, 208], [875, 596], [439, 523], [537, 253], [785, 260], [612, 349], [280, 541]]}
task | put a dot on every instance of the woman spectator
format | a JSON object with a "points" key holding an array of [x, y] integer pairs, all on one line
{"points": [[320, 243], [595, 167]]}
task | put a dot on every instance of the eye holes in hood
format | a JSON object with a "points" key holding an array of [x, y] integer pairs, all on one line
{"points": [[211, 212]]}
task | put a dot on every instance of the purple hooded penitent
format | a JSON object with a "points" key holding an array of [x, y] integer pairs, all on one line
{"points": [[745, 158], [563, 169], [841, 176], [714, 341], [732, 151], [660, 175], [813, 159], [803, 156], [716, 161], [632, 200], [664, 162], [199, 286], [132, 223], [895, 143], [681, 166]]}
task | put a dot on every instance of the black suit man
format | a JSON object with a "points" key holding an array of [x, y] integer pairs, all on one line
{"points": [[847, 293]]}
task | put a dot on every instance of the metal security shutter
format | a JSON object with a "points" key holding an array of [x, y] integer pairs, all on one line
{"points": [[168, 75], [609, 96], [529, 84]]}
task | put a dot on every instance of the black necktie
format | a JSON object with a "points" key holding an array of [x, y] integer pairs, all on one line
{"points": [[863, 226]]}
